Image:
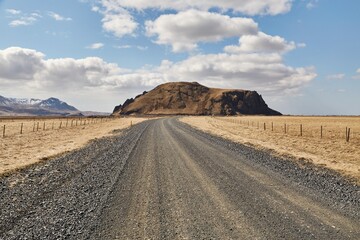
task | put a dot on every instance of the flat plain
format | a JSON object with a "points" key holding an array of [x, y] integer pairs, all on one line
{"points": [[327, 149], [43, 138]]}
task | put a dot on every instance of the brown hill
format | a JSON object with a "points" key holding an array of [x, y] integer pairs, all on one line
{"points": [[185, 98]]}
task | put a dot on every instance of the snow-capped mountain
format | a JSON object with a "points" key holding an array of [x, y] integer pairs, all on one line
{"points": [[32, 106]]}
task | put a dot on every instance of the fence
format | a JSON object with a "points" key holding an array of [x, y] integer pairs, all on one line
{"points": [[301, 130], [13, 127]]}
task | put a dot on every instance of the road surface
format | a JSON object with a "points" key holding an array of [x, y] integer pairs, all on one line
{"points": [[162, 179], [179, 185]]}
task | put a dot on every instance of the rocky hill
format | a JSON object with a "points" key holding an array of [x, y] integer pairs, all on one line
{"points": [[185, 98], [36, 107]]}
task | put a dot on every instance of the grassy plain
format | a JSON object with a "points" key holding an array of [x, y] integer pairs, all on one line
{"points": [[36, 143], [329, 149]]}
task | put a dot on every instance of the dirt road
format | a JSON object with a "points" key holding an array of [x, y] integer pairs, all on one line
{"points": [[174, 182], [180, 185]]}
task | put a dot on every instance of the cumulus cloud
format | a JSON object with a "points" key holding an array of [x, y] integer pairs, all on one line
{"points": [[261, 43], [249, 7], [20, 63], [116, 19], [264, 72], [185, 29], [96, 46], [337, 76], [58, 17]]}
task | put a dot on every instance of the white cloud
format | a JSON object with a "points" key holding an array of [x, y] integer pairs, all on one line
{"points": [[301, 45], [58, 17], [96, 46], [312, 4], [264, 72], [23, 19], [185, 29], [142, 48], [249, 7], [337, 76], [261, 43], [123, 46], [116, 19], [20, 63], [13, 11], [357, 76]]}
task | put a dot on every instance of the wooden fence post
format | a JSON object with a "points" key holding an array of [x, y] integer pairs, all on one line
{"points": [[37, 127], [34, 127], [285, 128], [44, 126], [21, 128], [60, 125], [301, 130], [348, 135], [272, 126], [321, 131], [4, 131], [264, 126]]}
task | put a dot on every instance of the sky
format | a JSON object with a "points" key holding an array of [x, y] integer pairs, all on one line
{"points": [[302, 56]]}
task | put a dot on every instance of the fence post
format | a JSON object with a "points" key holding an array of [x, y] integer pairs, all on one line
{"points": [[348, 135], [44, 126], [285, 128], [321, 131], [21, 129], [4, 131], [301, 130], [60, 125], [37, 127], [272, 126], [264, 126], [34, 127]]}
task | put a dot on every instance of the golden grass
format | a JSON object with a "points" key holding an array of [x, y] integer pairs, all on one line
{"points": [[20, 150], [331, 151]]}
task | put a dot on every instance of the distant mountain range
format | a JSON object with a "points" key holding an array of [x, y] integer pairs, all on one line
{"points": [[38, 107]]}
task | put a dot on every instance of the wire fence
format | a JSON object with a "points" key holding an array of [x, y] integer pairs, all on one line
{"points": [[322, 131], [20, 126]]}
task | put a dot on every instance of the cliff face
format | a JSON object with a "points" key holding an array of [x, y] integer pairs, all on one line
{"points": [[194, 99]]}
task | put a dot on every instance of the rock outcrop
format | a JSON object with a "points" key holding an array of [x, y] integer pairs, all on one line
{"points": [[185, 98]]}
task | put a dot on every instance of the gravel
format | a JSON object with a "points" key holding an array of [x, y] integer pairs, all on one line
{"points": [[325, 184], [63, 198]]}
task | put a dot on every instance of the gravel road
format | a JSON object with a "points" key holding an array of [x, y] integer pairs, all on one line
{"points": [[162, 179]]}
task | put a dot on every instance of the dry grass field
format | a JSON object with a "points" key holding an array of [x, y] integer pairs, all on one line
{"points": [[35, 143], [329, 149]]}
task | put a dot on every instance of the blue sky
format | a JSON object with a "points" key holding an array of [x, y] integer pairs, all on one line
{"points": [[303, 56]]}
